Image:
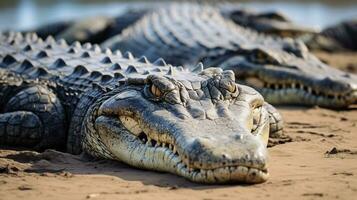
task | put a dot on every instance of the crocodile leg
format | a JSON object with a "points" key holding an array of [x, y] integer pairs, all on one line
{"points": [[20, 128], [35, 113], [276, 121], [276, 135]]}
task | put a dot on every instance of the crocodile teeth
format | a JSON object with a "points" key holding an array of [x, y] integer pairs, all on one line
{"points": [[134, 128], [314, 93], [174, 150]]}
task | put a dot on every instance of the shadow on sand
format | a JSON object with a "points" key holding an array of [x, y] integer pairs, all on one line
{"points": [[51, 161]]}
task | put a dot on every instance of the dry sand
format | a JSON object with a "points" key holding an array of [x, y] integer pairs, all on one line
{"points": [[320, 163]]}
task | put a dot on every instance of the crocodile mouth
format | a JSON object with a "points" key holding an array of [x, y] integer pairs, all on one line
{"points": [[157, 150], [232, 172], [287, 91]]}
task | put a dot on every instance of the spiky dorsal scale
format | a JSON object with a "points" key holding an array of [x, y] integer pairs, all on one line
{"points": [[171, 71], [72, 50], [108, 52], [95, 75], [80, 70], [116, 66], [28, 48], [31, 37], [87, 46], [143, 59], [128, 55], [39, 72], [50, 40], [8, 60], [49, 46], [24, 66], [62, 43], [40, 41], [106, 60], [77, 45], [58, 63], [118, 76], [131, 69], [118, 53], [95, 48], [85, 54], [106, 78], [42, 54], [18, 36], [160, 62]]}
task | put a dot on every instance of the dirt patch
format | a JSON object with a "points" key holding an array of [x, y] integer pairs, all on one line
{"points": [[346, 61]]}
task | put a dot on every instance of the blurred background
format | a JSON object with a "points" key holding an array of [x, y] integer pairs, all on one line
{"points": [[27, 14]]}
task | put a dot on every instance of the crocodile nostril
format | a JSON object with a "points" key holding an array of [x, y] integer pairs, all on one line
{"points": [[238, 137], [226, 156]]}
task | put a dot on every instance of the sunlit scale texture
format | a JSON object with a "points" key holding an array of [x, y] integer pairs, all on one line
{"points": [[283, 70]]}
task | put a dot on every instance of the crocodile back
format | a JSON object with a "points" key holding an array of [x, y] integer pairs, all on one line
{"points": [[74, 66], [187, 34]]}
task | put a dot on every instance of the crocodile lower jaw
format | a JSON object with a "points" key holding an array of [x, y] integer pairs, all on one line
{"points": [[164, 157], [172, 162], [300, 94], [290, 96]]}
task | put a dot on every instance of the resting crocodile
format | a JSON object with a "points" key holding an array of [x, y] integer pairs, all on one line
{"points": [[339, 37], [96, 29], [283, 70], [268, 22], [204, 127]]}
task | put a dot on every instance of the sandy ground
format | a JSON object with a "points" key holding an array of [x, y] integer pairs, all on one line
{"points": [[320, 163], [346, 61]]}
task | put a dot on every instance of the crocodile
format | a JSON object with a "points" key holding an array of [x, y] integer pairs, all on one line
{"points": [[96, 29], [267, 22], [281, 69], [338, 37], [79, 98]]}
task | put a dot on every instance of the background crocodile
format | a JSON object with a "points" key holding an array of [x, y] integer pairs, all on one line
{"points": [[96, 29], [339, 37], [281, 69], [203, 127], [269, 22]]}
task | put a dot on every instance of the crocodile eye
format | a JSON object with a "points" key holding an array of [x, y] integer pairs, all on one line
{"points": [[155, 91], [232, 88], [262, 57]]}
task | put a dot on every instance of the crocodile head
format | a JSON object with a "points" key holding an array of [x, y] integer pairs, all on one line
{"points": [[205, 128], [291, 75], [274, 23]]}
